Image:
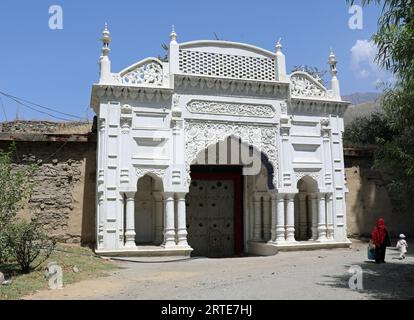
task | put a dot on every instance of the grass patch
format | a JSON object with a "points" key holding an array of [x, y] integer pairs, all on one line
{"points": [[67, 256]]}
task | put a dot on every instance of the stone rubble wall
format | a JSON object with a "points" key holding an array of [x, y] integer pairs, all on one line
{"points": [[25, 126], [368, 200], [63, 195]]}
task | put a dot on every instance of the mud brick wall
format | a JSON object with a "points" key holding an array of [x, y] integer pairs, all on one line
{"points": [[63, 196]]}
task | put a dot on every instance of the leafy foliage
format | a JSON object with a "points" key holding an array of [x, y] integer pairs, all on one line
{"points": [[164, 57], [29, 244], [15, 186], [313, 71], [395, 42], [369, 130]]}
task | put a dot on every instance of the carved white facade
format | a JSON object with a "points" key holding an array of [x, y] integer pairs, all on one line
{"points": [[159, 122]]}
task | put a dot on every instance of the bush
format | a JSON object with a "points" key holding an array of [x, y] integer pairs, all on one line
{"points": [[368, 130], [15, 186], [28, 244]]}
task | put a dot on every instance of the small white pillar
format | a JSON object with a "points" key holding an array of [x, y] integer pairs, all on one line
{"points": [[273, 217], [290, 217], [181, 220], [280, 63], [334, 81], [257, 218], [321, 217], [314, 203], [280, 219], [104, 62], [329, 216], [303, 217], [130, 220], [266, 217], [169, 229], [158, 217], [173, 53]]}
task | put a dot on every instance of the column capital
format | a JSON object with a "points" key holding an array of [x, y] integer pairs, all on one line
{"points": [[158, 195], [302, 196], [290, 196], [168, 195], [267, 197], [130, 195], [180, 195], [257, 196], [321, 195]]}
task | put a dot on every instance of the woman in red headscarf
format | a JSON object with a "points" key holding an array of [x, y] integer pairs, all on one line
{"points": [[381, 240]]}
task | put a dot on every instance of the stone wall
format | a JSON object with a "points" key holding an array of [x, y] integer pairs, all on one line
{"points": [[368, 200], [26, 126], [64, 187]]}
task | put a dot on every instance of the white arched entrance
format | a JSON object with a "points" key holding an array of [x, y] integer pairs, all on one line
{"points": [[161, 124]]}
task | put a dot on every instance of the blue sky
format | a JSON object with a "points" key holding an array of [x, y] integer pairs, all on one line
{"points": [[56, 68]]}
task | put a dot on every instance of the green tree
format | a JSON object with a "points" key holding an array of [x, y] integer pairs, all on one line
{"points": [[15, 190], [28, 244], [395, 42]]}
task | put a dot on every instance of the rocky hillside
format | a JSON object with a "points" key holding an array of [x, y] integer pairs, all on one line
{"points": [[363, 104]]}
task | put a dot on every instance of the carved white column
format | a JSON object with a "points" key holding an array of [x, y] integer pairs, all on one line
{"points": [[329, 216], [280, 218], [100, 210], [100, 218], [257, 218], [169, 229], [158, 217], [290, 217], [273, 217], [130, 220], [314, 202], [266, 217], [181, 220], [321, 218], [303, 217]]}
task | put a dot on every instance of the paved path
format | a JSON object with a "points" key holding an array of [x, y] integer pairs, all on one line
{"points": [[319, 274]]}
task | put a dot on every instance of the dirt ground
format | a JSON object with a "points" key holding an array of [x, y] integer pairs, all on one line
{"points": [[318, 274]]}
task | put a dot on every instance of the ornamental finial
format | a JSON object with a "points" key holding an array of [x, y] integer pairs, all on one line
{"points": [[332, 62], [106, 39], [279, 45], [173, 35]]}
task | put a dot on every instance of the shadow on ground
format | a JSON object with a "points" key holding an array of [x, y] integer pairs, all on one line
{"points": [[391, 280]]}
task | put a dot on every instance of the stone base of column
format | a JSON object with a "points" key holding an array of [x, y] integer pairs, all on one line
{"points": [[169, 239], [290, 234], [267, 233], [130, 239], [182, 239], [330, 232], [315, 233], [321, 233], [272, 235], [280, 235], [158, 236]]}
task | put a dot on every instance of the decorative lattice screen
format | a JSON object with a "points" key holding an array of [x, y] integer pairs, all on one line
{"points": [[227, 65]]}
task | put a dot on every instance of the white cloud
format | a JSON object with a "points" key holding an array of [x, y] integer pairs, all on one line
{"points": [[363, 52], [363, 63]]}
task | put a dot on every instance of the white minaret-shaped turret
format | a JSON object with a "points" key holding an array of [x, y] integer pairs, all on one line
{"points": [[173, 53], [280, 63], [104, 62], [334, 81]]}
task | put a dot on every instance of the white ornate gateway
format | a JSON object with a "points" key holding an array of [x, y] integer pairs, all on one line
{"points": [[217, 152]]}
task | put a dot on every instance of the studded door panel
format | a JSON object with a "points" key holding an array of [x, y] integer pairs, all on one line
{"points": [[210, 217]]}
